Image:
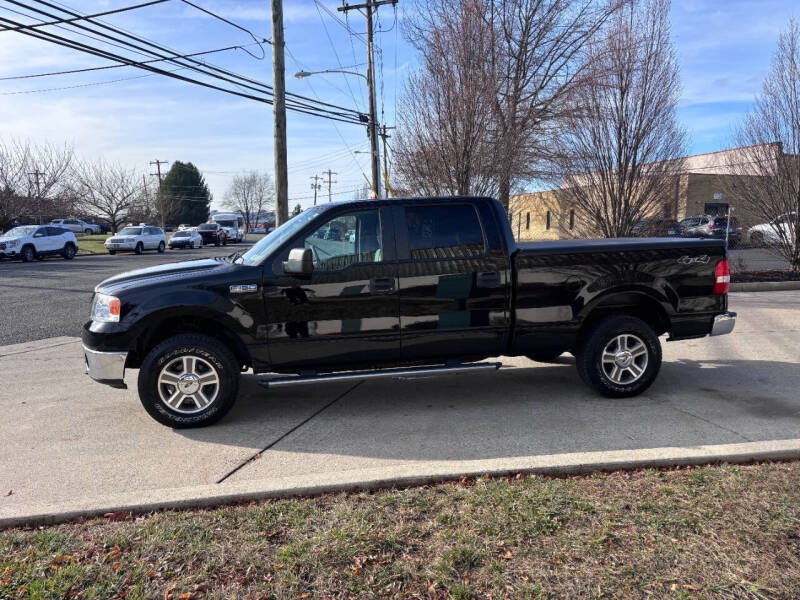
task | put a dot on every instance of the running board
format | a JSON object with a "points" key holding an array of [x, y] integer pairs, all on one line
{"points": [[377, 374]]}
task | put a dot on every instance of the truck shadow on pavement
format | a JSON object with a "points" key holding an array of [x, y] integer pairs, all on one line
{"points": [[542, 409]]}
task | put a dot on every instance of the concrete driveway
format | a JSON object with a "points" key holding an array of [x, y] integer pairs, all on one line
{"points": [[70, 445]]}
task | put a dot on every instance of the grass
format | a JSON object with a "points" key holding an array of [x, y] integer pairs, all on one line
{"points": [[729, 532], [92, 244]]}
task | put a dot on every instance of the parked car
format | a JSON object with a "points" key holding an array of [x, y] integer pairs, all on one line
{"points": [[38, 241], [183, 226], [137, 239], [765, 234], [653, 227], [188, 238], [77, 226], [213, 233], [435, 283], [712, 226]]}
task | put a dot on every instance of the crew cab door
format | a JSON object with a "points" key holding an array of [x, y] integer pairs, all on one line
{"points": [[454, 281], [347, 311]]}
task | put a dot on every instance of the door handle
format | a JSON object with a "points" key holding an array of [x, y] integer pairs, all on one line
{"points": [[381, 285], [488, 279]]}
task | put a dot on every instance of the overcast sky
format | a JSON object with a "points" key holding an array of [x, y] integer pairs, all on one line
{"points": [[724, 49]]}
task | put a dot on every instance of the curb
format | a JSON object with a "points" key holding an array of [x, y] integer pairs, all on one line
{"points": [[764, 286], [408, 474]]}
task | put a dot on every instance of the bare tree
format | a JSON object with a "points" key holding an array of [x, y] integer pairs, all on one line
{"points": [[35, 180], [537, 59], [481, 114], [442, 145], [622, 142], [250, 193], [109, 191], [766, 171]]}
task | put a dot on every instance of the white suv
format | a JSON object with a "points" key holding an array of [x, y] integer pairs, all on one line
{"points": [[77, 226], [38, 241], [767, 234], [137, 238]]}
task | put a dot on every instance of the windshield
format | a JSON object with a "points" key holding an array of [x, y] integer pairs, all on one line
{"points": [[181, 234], [20, 231], [131, 231], [207, 227], [272, 241], [227, 223]]}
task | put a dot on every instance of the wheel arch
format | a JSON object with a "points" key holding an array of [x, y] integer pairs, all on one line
{"points": [[638, 303], [167, 323]]}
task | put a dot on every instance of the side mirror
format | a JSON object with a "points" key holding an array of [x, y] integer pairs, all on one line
{"points": [[301, 262]]}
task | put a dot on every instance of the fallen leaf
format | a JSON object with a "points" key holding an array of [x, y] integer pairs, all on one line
{"points": [[185, 596], [10, 492], [673, 587]]}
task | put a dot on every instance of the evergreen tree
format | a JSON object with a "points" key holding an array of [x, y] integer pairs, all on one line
{"points": [[184, 189]]}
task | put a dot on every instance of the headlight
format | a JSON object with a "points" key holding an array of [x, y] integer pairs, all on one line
{"points": [[105, 309], [12, 244]]}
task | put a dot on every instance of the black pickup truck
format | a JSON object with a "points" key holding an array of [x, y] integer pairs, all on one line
{"points": [[407, 286]]}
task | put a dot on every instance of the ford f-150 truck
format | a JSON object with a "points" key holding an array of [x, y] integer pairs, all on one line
{"points": [[421, 285]]}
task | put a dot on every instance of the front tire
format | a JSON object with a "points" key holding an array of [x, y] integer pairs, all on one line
{"points": [[139, 248], [27, 254], [112, 252], [619, 357], [545, 356], [189, 380]]}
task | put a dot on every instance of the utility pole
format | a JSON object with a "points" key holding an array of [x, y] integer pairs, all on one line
{"points": [[385, 135], [329, 173], [315, 185], [36, 175], [160, 199], [279, 114], [371, 6]]}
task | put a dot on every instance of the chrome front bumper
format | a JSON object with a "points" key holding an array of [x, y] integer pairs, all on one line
{"points": [[723, 323], [106, 367]]}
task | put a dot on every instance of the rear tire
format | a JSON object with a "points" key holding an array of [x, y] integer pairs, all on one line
{"points": [[68, 252], [196, 358], [87, 231], [112, 252], [619, 357]]}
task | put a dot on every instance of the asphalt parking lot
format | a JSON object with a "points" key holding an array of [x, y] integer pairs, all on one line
{"points": [[51, 298], [69, 443]]}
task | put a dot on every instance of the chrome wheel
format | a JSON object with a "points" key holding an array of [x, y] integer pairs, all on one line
{"points": [[188, 384], [624, 359]]}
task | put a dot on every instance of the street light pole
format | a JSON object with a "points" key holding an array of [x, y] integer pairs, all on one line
{"points": [[370, 6]]}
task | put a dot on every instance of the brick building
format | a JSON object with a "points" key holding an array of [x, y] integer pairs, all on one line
{"points": [[704, 187]]}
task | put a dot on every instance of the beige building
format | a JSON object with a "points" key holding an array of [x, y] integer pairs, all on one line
{"points": [[702, 188]]}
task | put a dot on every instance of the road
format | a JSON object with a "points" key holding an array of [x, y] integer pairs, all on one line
{"points": [[71, 444], [51, 298]]}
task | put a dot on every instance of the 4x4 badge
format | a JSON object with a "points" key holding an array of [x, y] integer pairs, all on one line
{"points": [[692, 260], [244, 288]]}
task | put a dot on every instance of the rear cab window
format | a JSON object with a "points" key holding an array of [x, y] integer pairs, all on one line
{"points": [[444, 231]]}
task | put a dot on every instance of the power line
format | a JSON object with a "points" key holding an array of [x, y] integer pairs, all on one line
{"points": [[92, 16], [341, 113], [232, 24], [105, 67]]}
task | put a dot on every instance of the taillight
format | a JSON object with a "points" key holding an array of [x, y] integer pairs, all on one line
{"points": [[722, 280]]}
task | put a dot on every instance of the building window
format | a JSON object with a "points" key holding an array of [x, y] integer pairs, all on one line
{"points": [[547, 222], [528, 221], [572, 218]]}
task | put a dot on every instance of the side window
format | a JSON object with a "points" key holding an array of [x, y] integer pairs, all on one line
{"points": [[54, 231], [445, 231], [346, 240]]}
